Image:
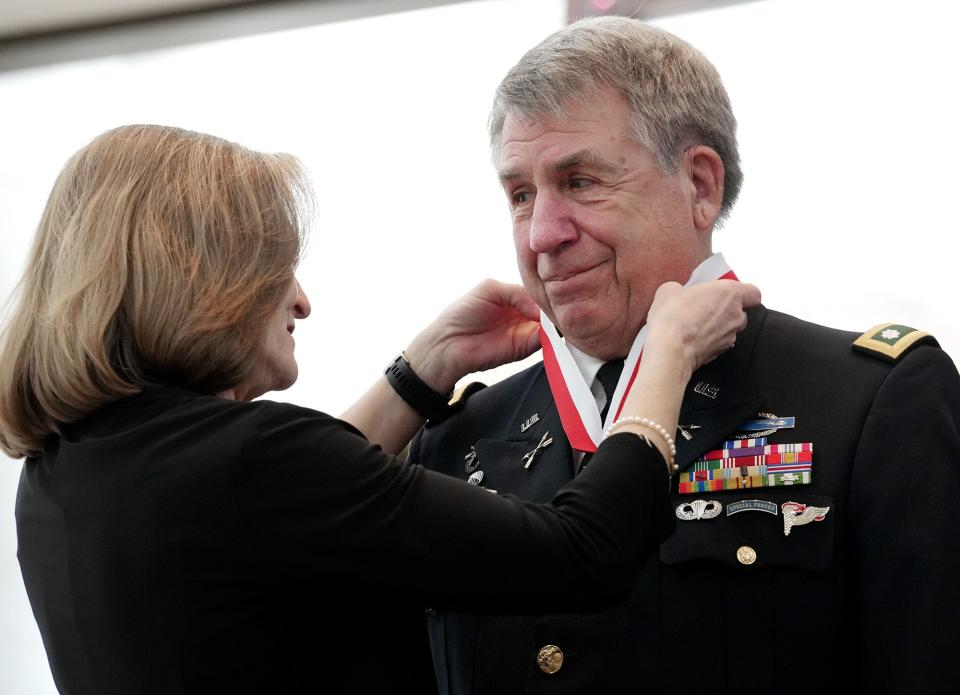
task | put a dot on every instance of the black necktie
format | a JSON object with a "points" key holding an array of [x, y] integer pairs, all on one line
{"points": [[608, 376]]}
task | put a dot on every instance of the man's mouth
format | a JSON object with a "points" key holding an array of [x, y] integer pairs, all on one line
{"points": [[568, 273]]}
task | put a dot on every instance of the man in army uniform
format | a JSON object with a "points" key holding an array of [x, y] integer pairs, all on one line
{"points": [[819, 472]]}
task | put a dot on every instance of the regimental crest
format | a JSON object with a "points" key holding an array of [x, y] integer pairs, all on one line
{"points": [[797, 514]]}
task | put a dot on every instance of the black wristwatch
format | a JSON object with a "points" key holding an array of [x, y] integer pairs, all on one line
{"points": [[419, 396]]}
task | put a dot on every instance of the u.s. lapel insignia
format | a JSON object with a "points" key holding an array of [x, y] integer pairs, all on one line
{"points": [[529, 422], [797, 514], [471, 461], [751, 506], [699, 509], [705, 389]]}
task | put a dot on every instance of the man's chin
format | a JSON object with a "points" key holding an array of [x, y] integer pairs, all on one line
{"points": [[578, 321], [594, 332]]}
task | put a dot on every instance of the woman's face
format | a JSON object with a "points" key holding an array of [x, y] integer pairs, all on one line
{"points": [[276, 366]]}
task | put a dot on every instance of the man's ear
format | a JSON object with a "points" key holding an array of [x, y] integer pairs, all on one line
{"points": [[704, 168]]}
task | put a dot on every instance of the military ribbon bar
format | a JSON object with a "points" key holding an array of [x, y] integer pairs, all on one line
{"points": [[802, 447], [743, 443], [744, 482]]}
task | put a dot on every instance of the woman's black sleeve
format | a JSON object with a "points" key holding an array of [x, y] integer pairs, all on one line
{"points": [[323, 502]]}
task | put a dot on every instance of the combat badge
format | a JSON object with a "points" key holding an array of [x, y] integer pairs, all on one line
{"points": [[764, 424], [797, 514]]}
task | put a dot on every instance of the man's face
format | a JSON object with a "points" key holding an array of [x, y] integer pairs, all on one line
{"points": [[598, 227]]}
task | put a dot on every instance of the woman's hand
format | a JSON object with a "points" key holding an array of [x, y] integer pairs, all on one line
{"points": [[493, 324], [699, 322], [688, 327]]}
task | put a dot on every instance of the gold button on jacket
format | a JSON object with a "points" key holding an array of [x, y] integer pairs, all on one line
{"points": [[550, 658], [746, 555]]}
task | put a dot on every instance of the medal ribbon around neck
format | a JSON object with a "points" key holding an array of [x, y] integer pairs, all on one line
{"points": [[578, 410]]}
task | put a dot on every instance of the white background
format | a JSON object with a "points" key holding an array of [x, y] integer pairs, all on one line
{"points": [[848, 215]]}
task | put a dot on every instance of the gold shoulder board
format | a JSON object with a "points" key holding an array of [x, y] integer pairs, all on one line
{"points": [[891, 341]]}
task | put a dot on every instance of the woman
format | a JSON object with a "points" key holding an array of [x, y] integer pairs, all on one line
{"points": [[176, 537]]}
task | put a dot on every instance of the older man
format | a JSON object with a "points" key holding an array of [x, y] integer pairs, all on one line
{"points": [[819, 478]]}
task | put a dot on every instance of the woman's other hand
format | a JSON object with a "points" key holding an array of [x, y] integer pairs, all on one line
{"points": [[493, 324]]}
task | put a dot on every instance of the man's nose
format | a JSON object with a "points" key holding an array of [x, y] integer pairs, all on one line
{"points": [[551, 225]]}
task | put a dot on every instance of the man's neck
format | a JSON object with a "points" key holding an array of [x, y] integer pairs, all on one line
{"points": [[603, 350]]}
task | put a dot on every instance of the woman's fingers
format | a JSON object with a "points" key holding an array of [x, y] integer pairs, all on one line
{"points": [[705, 319]]}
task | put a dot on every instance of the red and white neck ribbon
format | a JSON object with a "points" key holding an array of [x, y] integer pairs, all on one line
{"points": [[575, 402]]}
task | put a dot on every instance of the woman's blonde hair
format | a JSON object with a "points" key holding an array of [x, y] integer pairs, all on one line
{"points": [[158, 258]]}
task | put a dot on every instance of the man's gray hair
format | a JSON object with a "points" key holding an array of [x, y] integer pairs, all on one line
{"points": [[676, 94]]}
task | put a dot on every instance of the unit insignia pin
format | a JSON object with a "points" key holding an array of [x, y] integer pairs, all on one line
{"points": [[751, 506], [685, 431], [797, 514], [699, 509], [530, 422], [475, 478], [545, 441], [471, 461]]}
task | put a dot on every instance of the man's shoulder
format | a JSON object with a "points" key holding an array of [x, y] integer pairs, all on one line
{"points": [[485, 411], [508, 388], [879, 348]]}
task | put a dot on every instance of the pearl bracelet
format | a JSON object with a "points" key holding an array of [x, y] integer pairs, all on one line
{"points": [[656, 427]]}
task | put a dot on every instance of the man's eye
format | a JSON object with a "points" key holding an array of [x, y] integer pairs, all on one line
{"points": [[579, 183], [520, 197]]}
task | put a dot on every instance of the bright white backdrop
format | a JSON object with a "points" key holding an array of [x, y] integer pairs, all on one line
{"points": [[847, 114]]}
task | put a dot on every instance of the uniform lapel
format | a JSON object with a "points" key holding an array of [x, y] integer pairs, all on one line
{"points": [[502, 458], [720, 396]]}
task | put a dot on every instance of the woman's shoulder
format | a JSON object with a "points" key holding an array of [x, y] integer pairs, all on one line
{"points": [[179, 414]]}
